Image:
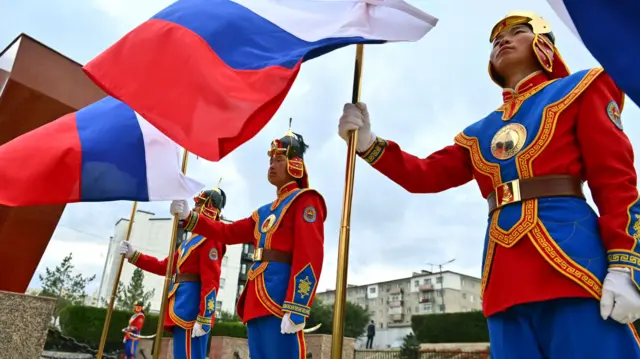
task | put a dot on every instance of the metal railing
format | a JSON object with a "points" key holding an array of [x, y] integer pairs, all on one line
{"points": [[440, 354]]}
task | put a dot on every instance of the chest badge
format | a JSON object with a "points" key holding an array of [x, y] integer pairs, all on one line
{"points": [[508, 141], [268, 223]]}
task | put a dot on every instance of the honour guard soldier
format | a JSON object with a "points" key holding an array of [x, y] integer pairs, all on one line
{"points": [[288, 235], [559, 281], [194, 285], [133, 331]]}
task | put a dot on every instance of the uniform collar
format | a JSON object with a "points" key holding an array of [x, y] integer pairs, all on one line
{"points": [[526, 84], [287, 189]]}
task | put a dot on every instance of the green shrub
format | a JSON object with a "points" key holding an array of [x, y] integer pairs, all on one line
{"points": [[468, 327]]}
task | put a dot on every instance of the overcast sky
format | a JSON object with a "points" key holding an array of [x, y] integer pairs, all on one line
{"points": [[419, 94]]}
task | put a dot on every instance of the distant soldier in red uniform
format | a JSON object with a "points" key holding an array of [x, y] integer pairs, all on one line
{"points": [[133, 330], [559, 281], [192, 295], [288, 235]]}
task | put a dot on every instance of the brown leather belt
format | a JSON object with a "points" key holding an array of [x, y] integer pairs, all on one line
{"points": [[536, 187], [185, 277], [271, 255]]}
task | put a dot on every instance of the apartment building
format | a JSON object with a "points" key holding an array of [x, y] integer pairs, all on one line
{"points": [[392, 303]]}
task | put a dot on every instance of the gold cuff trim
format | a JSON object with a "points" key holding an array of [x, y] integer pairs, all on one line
{"points": [[296, 308], [134, 257], [191, 222], [623, 258], [375, 151], [203, 320]]}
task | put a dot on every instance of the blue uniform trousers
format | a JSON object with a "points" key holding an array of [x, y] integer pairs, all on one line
{"points": [[185, 347], [266, 341], [569, 328], [130, 348]]}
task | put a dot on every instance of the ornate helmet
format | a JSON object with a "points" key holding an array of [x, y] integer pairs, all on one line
{"points": [[543, 43], [212, 201], [293, 147]]}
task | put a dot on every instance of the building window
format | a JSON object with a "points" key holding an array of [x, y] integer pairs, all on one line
{"points": [[441, 307], [372, 290], [218, 306], [471, 298], [427, 281], [464, 295], [245, 248], [243, 268], [439, 280], [222, 283], [416, 282], [463, 282]]}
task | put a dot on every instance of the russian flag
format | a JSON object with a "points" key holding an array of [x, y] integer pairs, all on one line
{"points": [[610, 30], [103, 152], [210, 74]]}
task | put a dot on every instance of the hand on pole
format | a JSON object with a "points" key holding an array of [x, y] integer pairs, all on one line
{"points": [[356, 117], [180, 208], [620, 297], [197, 330], [127, 249]]}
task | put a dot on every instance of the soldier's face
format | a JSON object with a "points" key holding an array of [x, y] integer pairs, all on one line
{"points": [[278, 175], [512, 48]]}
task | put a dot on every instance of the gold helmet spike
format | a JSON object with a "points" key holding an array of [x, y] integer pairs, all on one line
{"points": [[217, 188]]}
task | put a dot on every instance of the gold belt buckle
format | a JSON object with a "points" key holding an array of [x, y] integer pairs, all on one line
{"points": [[507, 193], [257, 254]]}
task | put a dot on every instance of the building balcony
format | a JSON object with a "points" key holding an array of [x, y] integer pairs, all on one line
{"points": [[395, 311], [425, 300], [395, 291], [395, 303], [397, 317], [426, 287]]}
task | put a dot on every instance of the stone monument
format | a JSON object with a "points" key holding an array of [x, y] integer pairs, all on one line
{"points": [[37, 86]]}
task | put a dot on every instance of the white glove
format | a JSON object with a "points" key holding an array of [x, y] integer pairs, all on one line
{"points": [[181, 208], [127, 249], [620, 297], [197, 330], [288, 327], [356, 117]]}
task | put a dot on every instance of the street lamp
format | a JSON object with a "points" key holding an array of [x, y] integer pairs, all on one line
{"points": [[441, 279]]}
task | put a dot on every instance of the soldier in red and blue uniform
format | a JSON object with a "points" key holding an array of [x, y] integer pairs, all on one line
{"points": [[559, 281], [132, 331], [288, 235], [191, 308]]}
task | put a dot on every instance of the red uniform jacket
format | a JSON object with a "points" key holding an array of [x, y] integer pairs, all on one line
{"points": [[201, 257], [585, 141], [137, 321], [300, 231]]}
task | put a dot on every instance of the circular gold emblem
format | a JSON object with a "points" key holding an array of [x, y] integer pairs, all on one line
{"points": [[268, 223], [508, 141]]}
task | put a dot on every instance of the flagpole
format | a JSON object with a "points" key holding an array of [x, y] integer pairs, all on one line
{"points": [[114, 291], [167, 277], [343, 247]]}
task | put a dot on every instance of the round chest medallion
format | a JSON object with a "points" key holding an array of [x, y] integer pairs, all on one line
{"points": [[508, 141], [268, 223]]}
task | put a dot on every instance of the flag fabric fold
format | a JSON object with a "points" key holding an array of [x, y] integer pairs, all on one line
{"points": [[103, 152], [210, 74], [610, 31]]}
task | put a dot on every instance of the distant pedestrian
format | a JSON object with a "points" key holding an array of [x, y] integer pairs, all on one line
{"points": [[371, 332]]}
